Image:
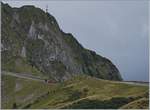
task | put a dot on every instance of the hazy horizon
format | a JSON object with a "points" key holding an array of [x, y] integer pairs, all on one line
{"points": [[117, 30]]}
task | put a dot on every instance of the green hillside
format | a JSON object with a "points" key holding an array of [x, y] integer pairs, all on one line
{"points": [[141, 103], [79, 92]]}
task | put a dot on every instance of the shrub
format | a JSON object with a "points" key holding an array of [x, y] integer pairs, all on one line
{"points": [[14, 105], [75, 95]]}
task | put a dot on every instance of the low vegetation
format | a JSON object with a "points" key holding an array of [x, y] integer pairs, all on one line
{"points": [[20, 65], [78, 92]]}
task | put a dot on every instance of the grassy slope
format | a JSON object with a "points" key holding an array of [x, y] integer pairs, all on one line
{"points": [[20, 91], [75, 93], [20, 65], [141, 103]]}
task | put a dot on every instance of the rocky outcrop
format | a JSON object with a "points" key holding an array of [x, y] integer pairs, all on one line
{"points": [[34, 35]]}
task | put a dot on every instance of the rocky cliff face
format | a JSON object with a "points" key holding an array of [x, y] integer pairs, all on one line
{"points": [[32, 38]]}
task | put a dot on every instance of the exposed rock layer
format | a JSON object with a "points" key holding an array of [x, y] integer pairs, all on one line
{"points": [[33, 35]]}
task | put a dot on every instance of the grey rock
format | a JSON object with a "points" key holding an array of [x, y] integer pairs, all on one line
{"points": [[39, 40]]}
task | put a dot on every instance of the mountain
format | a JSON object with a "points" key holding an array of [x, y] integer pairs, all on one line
{"points": [[44, 67], [80, 92], [33, 43]]}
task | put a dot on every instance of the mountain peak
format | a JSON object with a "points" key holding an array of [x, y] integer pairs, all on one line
{"points": [[35, 38]]}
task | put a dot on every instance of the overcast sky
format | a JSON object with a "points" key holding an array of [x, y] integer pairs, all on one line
{"points": [[117, 30]]}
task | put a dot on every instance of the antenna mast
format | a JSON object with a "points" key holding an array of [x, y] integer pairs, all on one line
{"points": [[46, 8]]}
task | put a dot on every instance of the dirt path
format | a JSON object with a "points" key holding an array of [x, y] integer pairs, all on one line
{"points": [[24, 76], [138, 83], [135, 83]]}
